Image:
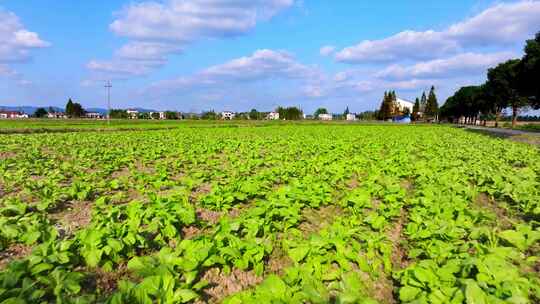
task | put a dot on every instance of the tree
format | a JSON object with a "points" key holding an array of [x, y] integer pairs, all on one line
{"points": [[346, 112], [254, 114], [320, 111], [416, 109], [69, 108], [468, 102], [209, 115], [290, 113], [387, 108], [432, 106], [529, 72], [74, 109], [504, 83], [368, 115], [118, 114], [40, 113], [171, 115], [423, 102]]}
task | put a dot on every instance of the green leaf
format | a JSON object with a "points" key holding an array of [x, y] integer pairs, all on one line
{"points": [[474, 294], [299, 253], [41, 267], [185, 295], [93, 257], [408, 293]]}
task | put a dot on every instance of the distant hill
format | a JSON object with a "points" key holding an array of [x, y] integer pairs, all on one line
{"points": [[28, 109], [32, 109]]}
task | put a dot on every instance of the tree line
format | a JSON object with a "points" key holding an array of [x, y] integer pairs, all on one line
{"points": [[513, 84], [72, 110]]}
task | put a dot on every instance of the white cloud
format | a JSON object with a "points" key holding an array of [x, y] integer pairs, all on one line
{"points": [[327, 50], [261, 65], [405, 45], [16, 41], [466, 63], [121, 69], [497, 26], [153, 51], [182, 21], [158, 29], [500, 24]]}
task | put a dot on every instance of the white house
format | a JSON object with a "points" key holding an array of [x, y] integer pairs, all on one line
{"points": [[56, 115], [94, 115], [273, 116], [12, 114], [351, 117], [132, 114], [160, 115], [325, 116], [227, 115], [404, 104]]}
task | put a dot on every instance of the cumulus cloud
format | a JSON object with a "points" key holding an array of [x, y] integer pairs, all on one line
{"points": [[182, 21], [327, 50], [158, 29], [122, 69], [261, 65], [16, 41], [407, 44], [149, 51], [457, 65], [497, 26]]}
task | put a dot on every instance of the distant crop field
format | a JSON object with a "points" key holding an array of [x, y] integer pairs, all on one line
{"points": [[271, 213]]}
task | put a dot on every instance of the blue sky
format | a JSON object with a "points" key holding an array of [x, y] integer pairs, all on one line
{"points": [[194, 55]]}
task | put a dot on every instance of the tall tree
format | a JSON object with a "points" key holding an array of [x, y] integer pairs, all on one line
{"points": [[78, 110], [254, 114], [69, 108], [504, 82], [386, 110], [40, 113], [346, 112], [432, 106], [529, 72], [416, 109], [423, 102], [320, 111], [290, 113]]}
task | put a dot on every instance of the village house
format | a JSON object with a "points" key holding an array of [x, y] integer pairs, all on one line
{"points": [[158, 115], [403, 104], [132, 114], [12, 115], [227, 115], [94, 115], [272, 116], [325, 117], [56, 115], [351, 117]]}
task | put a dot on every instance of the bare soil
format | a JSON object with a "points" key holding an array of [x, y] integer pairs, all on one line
{"points": [[209, 216], [75, 216], [483, 201], [222, 285], [316, 219], [14, 252]]}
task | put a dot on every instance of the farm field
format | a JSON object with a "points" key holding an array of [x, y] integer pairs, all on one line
{"points": [[277, 213]]}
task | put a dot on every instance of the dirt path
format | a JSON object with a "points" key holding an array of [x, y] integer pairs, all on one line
{"points": [[532, 138]]}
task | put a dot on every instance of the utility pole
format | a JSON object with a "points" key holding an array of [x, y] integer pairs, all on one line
{"points": [[108, 86]]}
